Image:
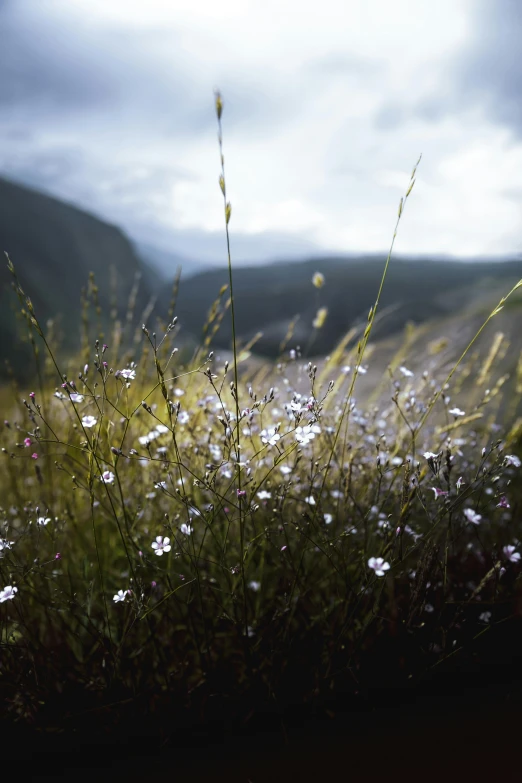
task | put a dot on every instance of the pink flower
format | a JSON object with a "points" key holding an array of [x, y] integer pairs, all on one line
{"points": [[503, 502], [34, 456], [27, 442], [32, 395], [58, 556], [439, 493], [241, 493]]}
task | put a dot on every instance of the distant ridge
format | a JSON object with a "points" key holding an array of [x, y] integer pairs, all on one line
{"points": [[268, 297]]}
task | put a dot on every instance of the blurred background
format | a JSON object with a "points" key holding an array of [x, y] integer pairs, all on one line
{"points": [[109, 161]]}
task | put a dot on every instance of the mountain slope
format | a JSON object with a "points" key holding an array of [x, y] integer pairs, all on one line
{"points": [[54, 246], [268, 297]]}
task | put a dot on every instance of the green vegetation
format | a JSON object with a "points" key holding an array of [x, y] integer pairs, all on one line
{"points": [[185, 531]]}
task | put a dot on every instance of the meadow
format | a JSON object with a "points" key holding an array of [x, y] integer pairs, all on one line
{"points": [[195, 535]]}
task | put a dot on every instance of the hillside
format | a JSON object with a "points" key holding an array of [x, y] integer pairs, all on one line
{"points": [[269, 297], [54, 246]]}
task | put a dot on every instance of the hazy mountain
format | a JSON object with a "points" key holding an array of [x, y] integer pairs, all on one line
{"points": [[268, 297], [165, 262], [54, 246]]}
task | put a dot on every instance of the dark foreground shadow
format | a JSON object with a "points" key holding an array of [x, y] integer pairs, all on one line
{"points": [[457, 728]]}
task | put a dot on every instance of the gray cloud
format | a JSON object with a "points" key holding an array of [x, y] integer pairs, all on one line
{"points": [[66, 89], [56, 73], [491, 71], [345, 64], [42, 70], [486, 75]]}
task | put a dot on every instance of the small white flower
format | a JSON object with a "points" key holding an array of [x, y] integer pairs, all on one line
{"points": [[378, 565], [510, 554], [161, 485], [161, 545], [407, 373], [179, 392], [59, 395], [270, 436], [485, 617], [8, 593], [512, 459], [129, 374], [430, 455], [120, 596], [89, 421], [328, 519], [144, 440], [162, 429], [472, 516], [457, 412], [77, 397], [310, 500], [5, 544], [304, 435], [254, 585], [185, 529], [107, 477], [285, 470], [43, 520], [264, 495]]}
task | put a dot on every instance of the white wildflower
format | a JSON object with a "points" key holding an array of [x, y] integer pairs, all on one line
{"points": [[161, 545], [472, 516], [378, 565], [8, 593], [270, 436], [457, 412]]}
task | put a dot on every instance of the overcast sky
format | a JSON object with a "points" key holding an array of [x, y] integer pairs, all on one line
{"points": [[327, 106]]}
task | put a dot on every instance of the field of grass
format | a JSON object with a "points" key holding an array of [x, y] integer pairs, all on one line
{"points": [[188, 534]]}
